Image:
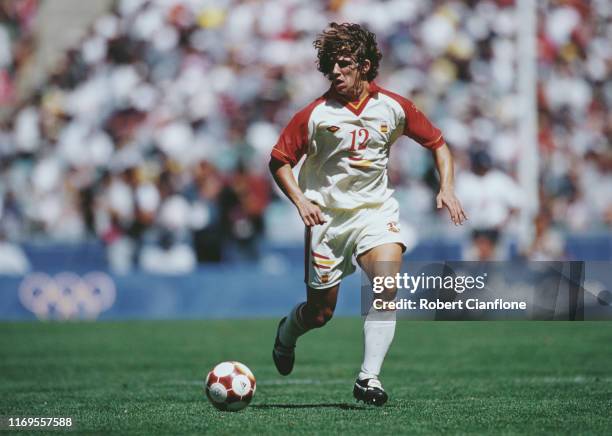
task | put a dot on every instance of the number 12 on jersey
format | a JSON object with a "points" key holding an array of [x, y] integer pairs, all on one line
{"points": [[359, 139]]}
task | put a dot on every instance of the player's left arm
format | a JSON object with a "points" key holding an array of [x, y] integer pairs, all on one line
{"points": [[446, 197], [419, 128]]}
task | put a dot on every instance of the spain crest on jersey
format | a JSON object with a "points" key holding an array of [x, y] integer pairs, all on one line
{"points": [[384, 128]]}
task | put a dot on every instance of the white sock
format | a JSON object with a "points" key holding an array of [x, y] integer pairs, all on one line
{"points": [[293, 328], [378, 332]]}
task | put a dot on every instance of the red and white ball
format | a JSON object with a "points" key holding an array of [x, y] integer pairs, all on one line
{"points": [[230, 386]]}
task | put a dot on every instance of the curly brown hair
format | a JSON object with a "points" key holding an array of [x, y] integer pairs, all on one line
{"points": [[347, 39]]}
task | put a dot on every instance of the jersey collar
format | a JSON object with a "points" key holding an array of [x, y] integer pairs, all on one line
{"points": [[356, 107]]}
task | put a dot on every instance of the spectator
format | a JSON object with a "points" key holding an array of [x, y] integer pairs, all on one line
{"points": [[490, 198], [13, 260], [548, 244]]}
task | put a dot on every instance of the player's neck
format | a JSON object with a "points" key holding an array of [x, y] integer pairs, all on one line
{"points": [[358, 93]]}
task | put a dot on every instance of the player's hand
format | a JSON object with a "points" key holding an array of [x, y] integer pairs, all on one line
{"points": [[310, 213], [447, 198]]}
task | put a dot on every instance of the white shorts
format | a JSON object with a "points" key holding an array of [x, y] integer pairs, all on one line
{"points": [[330, 247]]}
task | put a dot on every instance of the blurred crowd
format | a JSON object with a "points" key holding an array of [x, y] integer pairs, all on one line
{"points": [[154, 132], [16, 43]]}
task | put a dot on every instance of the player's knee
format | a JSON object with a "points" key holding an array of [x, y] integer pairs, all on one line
{"points": [[326, 314], [389, 294], [320, 316]]}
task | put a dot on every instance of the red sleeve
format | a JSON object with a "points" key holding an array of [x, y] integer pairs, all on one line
{"points": [[293, 141], [418, 126]]}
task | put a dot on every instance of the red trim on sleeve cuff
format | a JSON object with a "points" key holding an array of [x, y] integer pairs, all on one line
{"points": [[435, 144], [282, 157]]}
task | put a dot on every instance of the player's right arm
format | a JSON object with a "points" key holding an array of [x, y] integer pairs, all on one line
{"points": [[291, 146], [283, 176]]}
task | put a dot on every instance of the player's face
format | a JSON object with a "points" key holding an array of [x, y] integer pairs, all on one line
{"points": [[345, 75]]}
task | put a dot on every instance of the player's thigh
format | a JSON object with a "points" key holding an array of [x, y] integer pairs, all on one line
{"points": [[382, 261], [323, 298]]}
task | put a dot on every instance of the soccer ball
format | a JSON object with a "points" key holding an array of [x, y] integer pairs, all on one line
{"points": [[230, 386]]}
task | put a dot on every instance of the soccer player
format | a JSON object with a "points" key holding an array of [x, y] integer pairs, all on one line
{"points": [[343, 195]]}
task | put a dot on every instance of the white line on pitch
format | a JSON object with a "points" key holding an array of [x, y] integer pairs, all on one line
{"points": [[303, 381], [297, 381], [568, 379]]}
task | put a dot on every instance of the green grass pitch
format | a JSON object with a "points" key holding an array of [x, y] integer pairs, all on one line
{"points": [[442, 377]]}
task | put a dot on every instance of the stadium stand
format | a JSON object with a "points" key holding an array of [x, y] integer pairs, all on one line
{"points": [[152, 135]]}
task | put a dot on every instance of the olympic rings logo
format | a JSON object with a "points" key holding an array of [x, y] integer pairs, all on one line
{"points": [[67, 295]]}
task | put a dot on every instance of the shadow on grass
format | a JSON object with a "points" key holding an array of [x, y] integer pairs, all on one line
{"points": [[342, 406]]}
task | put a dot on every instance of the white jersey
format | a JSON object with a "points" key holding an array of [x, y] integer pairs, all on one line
{"points": [[347, 146]]}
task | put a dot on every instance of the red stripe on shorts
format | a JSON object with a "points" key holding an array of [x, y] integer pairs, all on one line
{"points": [[307, 250]]}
